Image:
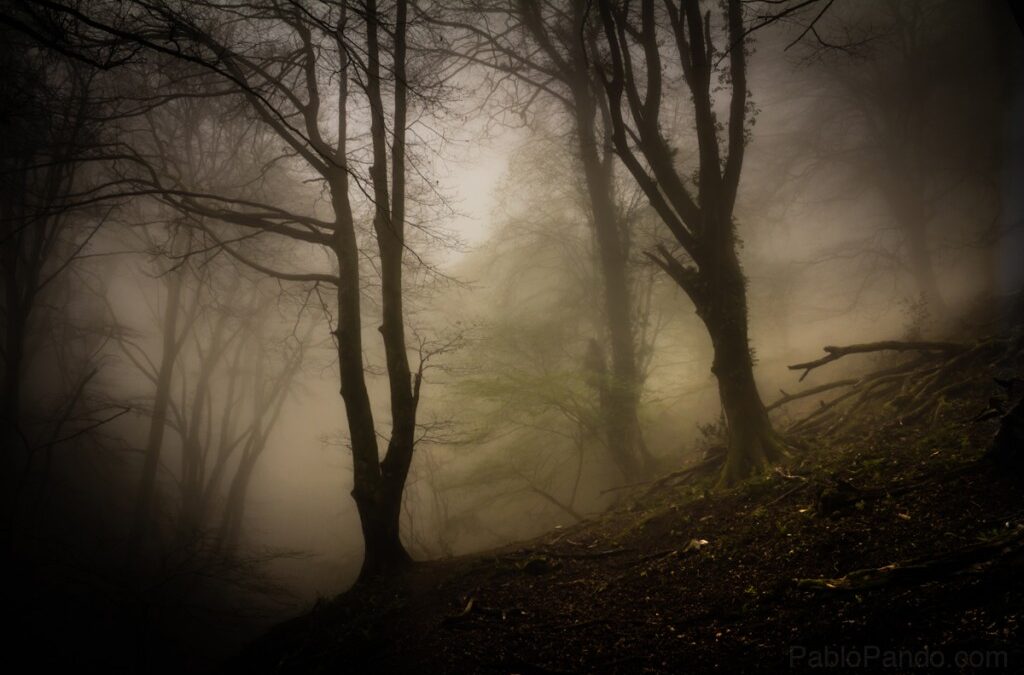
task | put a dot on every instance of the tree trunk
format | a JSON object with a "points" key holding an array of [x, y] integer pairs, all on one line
{"points": [[377, 505], [382, 547], [234, 507], [701, 222], [158, 420], [16, 455], [621, 419], [13, 352], [621, 414], [904, 190], [379, 517], [922, 268], [753, 444]]}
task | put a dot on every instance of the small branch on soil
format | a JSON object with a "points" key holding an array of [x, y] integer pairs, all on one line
{"points": [[589, 555], [787, 493], [918, 571]]}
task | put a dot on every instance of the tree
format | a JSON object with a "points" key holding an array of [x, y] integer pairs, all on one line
{"points": [[541, 45], [303, 85], [50, 142], [919, 105], [191, 139], [632, 60], [534, 383]]}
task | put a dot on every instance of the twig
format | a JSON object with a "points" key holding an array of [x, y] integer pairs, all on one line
{"points": [[787, 493], [85, 430]]}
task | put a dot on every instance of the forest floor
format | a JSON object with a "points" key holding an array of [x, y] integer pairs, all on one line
{"points": [[681, 578]]}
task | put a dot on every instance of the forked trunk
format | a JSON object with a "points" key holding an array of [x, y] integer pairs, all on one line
{"points": [[379, 496], [379, 517]]}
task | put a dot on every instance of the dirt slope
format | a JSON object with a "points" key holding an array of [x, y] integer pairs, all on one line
{"points": [[682, 579]]}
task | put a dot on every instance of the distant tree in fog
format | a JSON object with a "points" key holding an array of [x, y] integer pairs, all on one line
{"points": [[52, 207], [533, 384], [538, 49], [915, 111], [331, 84], [227, 377]]}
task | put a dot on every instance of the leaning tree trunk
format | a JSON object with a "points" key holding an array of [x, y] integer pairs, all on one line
{"points": [[753, 443]]}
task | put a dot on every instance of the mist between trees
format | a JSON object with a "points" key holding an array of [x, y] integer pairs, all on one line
{"points": [[248, 357]]}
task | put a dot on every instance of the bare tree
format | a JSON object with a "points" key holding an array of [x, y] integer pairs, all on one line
{"points": [[918, 115], [51, 140], [325, 70], [539, 50], [637, 48]]}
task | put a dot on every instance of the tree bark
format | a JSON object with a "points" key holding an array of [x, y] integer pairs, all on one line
{"points": [[753, 443]]}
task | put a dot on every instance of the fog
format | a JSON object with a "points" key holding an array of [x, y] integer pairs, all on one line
{"points": [[176, 336]]}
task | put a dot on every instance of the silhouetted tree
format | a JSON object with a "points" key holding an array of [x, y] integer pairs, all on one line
{"points": [[327, 70], [639, 47], [51, 209]]}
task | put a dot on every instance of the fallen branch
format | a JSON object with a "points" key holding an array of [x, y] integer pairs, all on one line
{"points": [[866, 384], [923, 570], [914, 389], [710, 463], [786, 398], [834, 353], [787, 493]]}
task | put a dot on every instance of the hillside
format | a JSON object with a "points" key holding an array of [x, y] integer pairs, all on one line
{"points": [[892, 538]]}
